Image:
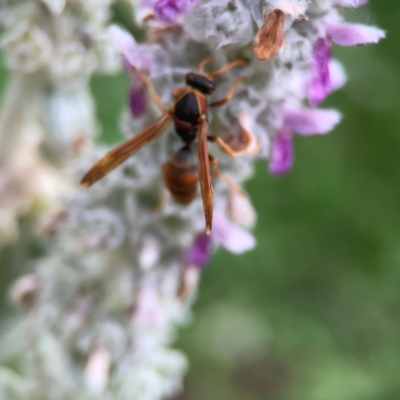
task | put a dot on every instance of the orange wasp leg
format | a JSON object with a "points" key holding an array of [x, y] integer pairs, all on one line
{"points": [[250, 146], [231, 91], [153, 94], [148, 17], [217, 173]]}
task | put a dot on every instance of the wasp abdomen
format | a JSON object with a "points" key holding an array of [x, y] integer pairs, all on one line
{"points": [[181, 176]]}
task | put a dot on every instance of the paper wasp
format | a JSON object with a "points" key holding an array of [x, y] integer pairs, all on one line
{"points": [[189, 113]]}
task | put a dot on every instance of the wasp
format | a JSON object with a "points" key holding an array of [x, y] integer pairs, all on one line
{"points": [[189, 113]]}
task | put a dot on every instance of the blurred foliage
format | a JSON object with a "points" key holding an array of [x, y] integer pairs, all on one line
{"points": [[13, 256], [8, 257], [313, 313]]}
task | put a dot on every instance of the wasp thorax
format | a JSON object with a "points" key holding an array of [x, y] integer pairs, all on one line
{"points": [[200, 82]]}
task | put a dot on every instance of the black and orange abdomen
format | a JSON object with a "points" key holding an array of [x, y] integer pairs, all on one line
{"points": [[181, 177]]}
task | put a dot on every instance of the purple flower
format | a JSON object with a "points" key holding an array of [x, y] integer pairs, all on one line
{"points": [[346, 34], [169, 10], [343, 34], [305, 122], [337, 78], [134, 58], [147, 4], [230, 236], [137, 96], [320, 85], [224, 233], [126, 46], [309, 121], [200, 252], [282, 155]]}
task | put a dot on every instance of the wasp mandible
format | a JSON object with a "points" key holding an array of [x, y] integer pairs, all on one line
{"points": [[189, 113]]}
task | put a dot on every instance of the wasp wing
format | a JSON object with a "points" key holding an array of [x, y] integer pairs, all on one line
{"points": [[204, 174], [118, 155]]}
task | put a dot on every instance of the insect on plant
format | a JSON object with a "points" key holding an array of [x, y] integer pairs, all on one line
{"points": [[189, 112]]}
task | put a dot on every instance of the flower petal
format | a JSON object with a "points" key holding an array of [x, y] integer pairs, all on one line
{"points": [[97, 370], [307, 121], [137, 96], [147, 4], [149, 312], [337, 75], [353, 34], [199, 253], [282, 155], [230, 236], [169, 10], [320, 85], [241, 210], [126, 45]]}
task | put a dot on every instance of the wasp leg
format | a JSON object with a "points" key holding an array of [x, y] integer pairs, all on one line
{"points": [[148, 17], [231, 90], [204, 63], [245, 145], [153, 94], [217, 173], [227, 67]]}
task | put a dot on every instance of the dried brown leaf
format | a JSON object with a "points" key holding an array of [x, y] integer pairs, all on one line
{"points": [[270, 37]]}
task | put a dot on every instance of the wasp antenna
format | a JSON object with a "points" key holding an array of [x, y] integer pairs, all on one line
{"points": [[231, 91], [227, 67], [204, 63]]}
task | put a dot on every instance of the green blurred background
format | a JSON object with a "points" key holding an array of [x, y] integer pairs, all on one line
{"points": [[313, 312]]}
